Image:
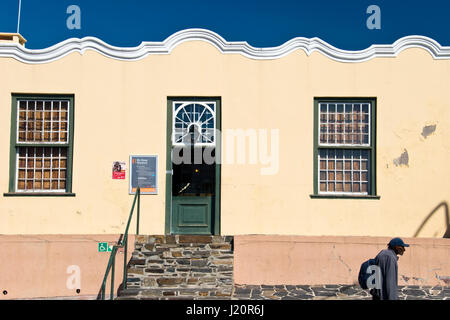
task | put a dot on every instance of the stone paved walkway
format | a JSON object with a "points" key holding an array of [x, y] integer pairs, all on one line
{"points": [[302, 292], [331, 292], [294, 292]]}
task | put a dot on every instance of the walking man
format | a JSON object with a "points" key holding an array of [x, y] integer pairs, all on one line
{"points": [[386, 260]]}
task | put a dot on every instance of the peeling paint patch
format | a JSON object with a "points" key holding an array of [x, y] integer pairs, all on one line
{"points": [[427, 130], [403, 159]]}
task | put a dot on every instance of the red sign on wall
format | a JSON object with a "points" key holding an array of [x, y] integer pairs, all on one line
{"points": [[119, 168]]}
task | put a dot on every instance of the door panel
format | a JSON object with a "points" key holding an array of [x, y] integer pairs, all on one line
{"points": [[192, 215], [193, 181]]}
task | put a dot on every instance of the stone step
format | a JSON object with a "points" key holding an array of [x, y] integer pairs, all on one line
{"points": [[199, 266], [187, 240], [149, 281], [175, 293]]}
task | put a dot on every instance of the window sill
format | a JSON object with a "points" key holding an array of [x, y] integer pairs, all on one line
{"points": [[38, 194], [331, 196]]}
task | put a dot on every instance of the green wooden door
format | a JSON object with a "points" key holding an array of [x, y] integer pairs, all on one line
{"points": [[193, 176], [192, 215]]}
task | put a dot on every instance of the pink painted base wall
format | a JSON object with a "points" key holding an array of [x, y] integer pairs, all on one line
{"points": [[300, 260], [39, 266], [34, 266]]}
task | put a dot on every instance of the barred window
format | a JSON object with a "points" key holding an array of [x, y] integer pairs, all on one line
{"points": [[344, 147], [41, 168], [42, 145], [345, 124], [43, 121], [344, 171]]}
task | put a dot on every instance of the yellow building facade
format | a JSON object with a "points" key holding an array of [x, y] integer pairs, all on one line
{"points": [[318, 152], [120, 108]]}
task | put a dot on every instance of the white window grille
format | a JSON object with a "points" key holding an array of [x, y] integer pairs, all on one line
{"points": [[43, 121], [41, 169], [194, 122], [344, 171], [346, 124]]}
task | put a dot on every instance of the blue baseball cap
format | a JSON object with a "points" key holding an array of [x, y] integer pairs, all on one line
{"points": [[397, 242]]}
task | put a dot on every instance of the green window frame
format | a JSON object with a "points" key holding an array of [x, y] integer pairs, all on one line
{"points": [[345, 148], [41, 166]]}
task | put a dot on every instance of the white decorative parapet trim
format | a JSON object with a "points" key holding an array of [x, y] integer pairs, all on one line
{"points": [[16, 51]]}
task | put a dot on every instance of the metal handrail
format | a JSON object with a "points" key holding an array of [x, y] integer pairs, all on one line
{"points": [[120, 244]]}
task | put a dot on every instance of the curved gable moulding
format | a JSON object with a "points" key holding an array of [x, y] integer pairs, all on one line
{"points": [[16, 51]]}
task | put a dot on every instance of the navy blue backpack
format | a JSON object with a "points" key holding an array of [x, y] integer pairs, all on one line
{"points": [[363, 275]]}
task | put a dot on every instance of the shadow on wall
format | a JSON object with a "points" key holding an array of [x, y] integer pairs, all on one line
{"points": [[447, 219]]}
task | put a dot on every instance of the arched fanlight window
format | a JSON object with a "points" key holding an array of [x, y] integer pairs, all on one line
{"points": [[194, 123]]}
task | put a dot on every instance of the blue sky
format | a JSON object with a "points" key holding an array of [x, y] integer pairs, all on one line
{"points": [[261, 23]]}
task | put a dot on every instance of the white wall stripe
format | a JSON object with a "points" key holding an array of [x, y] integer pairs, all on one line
{"points": [[17, 51]]}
